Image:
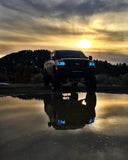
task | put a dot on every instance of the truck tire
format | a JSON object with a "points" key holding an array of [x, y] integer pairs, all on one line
{"points": [[46, 79], [90, 83], [55, 83]]}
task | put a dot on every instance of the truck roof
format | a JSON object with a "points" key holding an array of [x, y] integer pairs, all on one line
{"points": [[71, 53], [66, 51]]}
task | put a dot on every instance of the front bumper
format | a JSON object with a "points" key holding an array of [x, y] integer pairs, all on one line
{"points": [[73, 74]]}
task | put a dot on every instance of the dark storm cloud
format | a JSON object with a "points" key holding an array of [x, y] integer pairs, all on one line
{"points": [[83, 9], [64, 8], [25, 13]]}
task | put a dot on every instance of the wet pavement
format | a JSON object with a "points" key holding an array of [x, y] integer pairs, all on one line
{"points": [[64, 126]]}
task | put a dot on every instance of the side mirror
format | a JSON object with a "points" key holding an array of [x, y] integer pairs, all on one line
{"points": [[90, 57]]}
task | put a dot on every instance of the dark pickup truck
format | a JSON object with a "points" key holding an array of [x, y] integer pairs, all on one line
{"points": [[69, 66]]}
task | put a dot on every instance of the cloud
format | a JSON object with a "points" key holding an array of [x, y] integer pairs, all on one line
{"points": [[64, 21], [108, 35], [48, 17], [20, 38], [64, 8]]}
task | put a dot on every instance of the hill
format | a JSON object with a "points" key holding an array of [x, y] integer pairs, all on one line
{"points": [[21, 66]]}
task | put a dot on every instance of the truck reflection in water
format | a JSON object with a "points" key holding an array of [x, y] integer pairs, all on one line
{"points": [[65, 111]]}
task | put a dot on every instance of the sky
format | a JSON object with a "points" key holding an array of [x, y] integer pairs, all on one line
{"points": [[60, 24]]}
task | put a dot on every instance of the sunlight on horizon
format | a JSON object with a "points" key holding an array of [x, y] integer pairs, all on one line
{"points": [[84, 43]]}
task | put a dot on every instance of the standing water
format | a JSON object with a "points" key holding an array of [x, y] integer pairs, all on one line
{"points": [[64, 126]]}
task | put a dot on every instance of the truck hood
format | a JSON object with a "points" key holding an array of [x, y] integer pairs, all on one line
{"points": [[82, 59]]}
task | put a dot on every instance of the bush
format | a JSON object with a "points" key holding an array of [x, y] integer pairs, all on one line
{"points": [[105, 79], [102, 79], [124, 79], [4, 77], [38, 78]]}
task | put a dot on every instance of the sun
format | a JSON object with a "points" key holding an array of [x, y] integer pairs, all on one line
{"points": [[84, 43]]}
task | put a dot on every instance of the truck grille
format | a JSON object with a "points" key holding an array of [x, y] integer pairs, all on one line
{"points": [[76, 63]]}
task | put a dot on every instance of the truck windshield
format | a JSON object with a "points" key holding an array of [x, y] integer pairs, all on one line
{"points": [[69, 54]]}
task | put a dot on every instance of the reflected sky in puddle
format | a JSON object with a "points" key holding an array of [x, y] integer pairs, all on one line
{"points": [[24, 126], [111, 112]]}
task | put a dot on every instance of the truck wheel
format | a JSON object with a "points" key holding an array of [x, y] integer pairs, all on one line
{"points": [[46, 79], [90, 83], [55, 83]]}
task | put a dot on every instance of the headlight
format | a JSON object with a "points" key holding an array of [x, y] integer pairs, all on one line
{"points": [[61, 122], [61, 63], [91, 120], [91, 64]]}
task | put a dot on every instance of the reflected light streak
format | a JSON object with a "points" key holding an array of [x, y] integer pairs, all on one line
{"points": [[111, 114]]}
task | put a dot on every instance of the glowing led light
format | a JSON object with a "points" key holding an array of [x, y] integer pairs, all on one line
{"points": [[61, 122], [91, 64], [91, 120], [62, 63]]}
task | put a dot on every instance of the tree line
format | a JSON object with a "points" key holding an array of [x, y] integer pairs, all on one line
{"points": [[103, 67], [22, 66]]}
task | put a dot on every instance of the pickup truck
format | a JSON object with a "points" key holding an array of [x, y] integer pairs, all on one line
{"points": [[69, 66]]}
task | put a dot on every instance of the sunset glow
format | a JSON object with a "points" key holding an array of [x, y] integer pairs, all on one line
{"points": [[84, 43], [99, 25]]}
